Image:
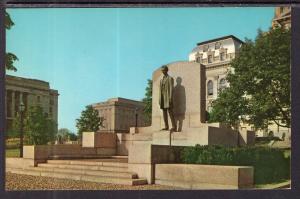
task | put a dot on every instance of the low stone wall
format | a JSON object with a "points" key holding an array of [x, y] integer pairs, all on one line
{"points": [[193, 176], [43, 152], [145, 156], [19, 163]]}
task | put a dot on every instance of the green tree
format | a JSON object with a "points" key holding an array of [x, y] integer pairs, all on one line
{"points": [[148, 101], [260, 84], [38, 128], [66, 134], [89, 121], [10, 58], [223, 109]]}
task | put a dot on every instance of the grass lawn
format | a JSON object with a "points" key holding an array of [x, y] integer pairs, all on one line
{"points": [[12, 153]]}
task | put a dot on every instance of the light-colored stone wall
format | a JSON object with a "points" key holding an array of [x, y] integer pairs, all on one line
{"points": [[33, 93], [43, 152], [99, 140], [119, 114], [192, 176], [215, 74]]}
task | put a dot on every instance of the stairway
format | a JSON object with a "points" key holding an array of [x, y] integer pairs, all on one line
{"points": [[112, 170]]}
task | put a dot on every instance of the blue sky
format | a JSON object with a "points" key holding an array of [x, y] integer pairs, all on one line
{"points": [[92, 54]]}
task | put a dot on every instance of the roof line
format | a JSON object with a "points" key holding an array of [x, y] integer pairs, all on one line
{"points": [[25, 78], [220, 38]]}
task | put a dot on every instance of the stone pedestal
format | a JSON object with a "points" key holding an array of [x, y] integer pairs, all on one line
{"points": [[99, 140], [203, 135]]}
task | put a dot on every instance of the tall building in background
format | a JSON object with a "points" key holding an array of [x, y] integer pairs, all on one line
{"points": [[282, 17], [216, 55], [32, 92]]}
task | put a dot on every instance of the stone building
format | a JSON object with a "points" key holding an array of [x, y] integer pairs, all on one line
{"points": [[120, 114], [32, 92], [282, 17], [216, 55]]}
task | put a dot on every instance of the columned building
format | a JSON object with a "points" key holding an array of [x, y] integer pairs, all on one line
{"points": [[216, 55], [31, 92], [119, 114]]}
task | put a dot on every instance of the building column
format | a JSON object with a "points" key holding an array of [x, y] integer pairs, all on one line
{"points": [[21, 97], [12, 103], [216, 86]]}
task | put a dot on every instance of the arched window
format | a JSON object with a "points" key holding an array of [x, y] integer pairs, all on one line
{"points": [[210, 88], [222, 84]]}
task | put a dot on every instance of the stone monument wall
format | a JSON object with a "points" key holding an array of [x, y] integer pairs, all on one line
{"points": [[189, 86]]}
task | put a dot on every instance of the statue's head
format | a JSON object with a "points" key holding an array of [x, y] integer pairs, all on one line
{"points": [[164, 69]]}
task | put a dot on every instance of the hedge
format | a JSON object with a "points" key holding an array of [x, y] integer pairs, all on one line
{"points": [[270, 164]]}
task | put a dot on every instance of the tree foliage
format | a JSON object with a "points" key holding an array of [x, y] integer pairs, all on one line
{"points": [[65, 134], [38, 128], [148, 101], [260, 84], [89, 121], [10, 58]]}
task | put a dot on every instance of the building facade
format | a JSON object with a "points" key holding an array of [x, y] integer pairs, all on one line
{"points": [[31, 92], [216, 55], [282, 17], [119, 114]]}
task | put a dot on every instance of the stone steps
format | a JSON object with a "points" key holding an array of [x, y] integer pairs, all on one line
{"points": [[72, 157], [86, 165], [97, 162], [83, 177], [104, 170], [88, 172]]}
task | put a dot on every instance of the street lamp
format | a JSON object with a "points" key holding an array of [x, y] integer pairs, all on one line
{"points": [[22, 109]]}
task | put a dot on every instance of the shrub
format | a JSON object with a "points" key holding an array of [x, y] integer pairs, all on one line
{"points": [[270, 164]]}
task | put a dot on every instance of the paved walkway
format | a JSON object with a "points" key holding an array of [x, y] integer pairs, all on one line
{"points": [[27, 182]]}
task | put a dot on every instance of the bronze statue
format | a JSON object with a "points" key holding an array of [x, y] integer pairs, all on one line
{"points": [[166, 98]]}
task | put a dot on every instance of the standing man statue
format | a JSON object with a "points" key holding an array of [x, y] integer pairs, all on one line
{"points": [[166, 98]]}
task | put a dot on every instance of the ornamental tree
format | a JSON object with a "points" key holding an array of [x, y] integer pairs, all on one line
{"points": [[148, 101], [89, 121], [38, 128]]}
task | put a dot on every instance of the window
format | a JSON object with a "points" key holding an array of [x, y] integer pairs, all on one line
{"points": [[210, 88], [205, 48], [199, 58], [222, 84], [209, 58], [222, 56], [217, 45]]}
